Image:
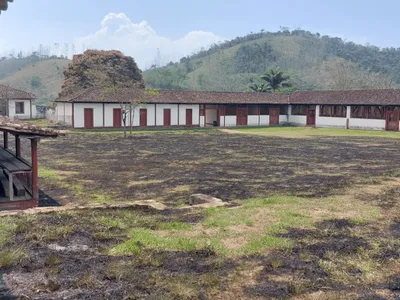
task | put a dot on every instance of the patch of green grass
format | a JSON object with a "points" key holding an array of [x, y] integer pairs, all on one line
{"points": [[264, 202], [49, 174], [305, 131], [111, 223], [261, 244], [7, 230], [223, 217], [147, 239], [175, 226], [11, 256]]}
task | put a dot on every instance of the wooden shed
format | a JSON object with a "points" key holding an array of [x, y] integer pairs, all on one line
{"points": [[19, 177]]}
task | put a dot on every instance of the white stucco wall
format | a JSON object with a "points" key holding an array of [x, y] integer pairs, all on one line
{"points": [[283, 119], [367, 124], [264, 120], [298, 120], [201, 121], [195, 113], [150, 115], [330, 122], [252, 121], [27, 109], [160, 114], [230, 121], [222, 121], [79, 121]]}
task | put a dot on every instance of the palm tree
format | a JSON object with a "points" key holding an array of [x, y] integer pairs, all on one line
{"points": [[260, 88], [275, 80]]}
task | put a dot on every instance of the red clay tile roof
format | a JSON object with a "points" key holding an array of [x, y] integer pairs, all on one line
{"points": [[168, 96], [349, 97], [14, 94]]}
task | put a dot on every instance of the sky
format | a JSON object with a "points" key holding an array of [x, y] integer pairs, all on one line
{"points": [[158, 31]]}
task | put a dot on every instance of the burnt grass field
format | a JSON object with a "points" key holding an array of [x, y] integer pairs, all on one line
{"points": [[169, 167], [310, 218]]}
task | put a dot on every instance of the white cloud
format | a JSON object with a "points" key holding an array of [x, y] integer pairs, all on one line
{"points": [[141, 41]]}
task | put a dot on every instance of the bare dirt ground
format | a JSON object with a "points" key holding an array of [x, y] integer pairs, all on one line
{"points": [[325, 223]]}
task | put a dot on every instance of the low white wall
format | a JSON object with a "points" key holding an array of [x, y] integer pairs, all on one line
{"points": [[331, 122], [222, 121], [264, 120], [195, 113], [201, 121], [160, 114], [79, 120], [252, 121], [230, 121], [27, 109], [283, 119], [298, 120], [372, 124]]}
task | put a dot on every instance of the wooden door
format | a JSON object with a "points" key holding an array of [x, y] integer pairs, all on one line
{"points": [[167, 117], [189, 117], [88, 118], [274, 116], [117, 117], [143, 117], [392, 120], [241, 119], [311, 116]]}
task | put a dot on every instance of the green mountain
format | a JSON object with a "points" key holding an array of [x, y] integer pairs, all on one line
{"points": [[312, 61], [42, 77]]}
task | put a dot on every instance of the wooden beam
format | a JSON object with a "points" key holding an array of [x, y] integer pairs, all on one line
{"points": [[17, 146], [73, 115], [34, 153], [5, 135]]}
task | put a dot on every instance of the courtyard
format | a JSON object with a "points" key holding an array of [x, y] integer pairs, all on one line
{"points": [[312, 214]]}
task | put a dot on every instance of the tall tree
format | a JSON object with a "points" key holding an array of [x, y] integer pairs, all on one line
{"points": [[4, 4], [260, 88], [276, 80]]}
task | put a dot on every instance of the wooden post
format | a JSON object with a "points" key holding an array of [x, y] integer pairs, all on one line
{"points": [[35, 191], [5, 134], [17, 146]]}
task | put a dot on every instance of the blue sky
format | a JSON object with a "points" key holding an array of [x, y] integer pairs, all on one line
{"points": [[180, 27]]}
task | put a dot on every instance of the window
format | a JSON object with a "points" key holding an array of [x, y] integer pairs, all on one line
{"points": [[253, 110], [325, 110], [339, 111], [19, 107], [230, 110], [283, 109], [367, 112], [264, 110], [299, 110]]}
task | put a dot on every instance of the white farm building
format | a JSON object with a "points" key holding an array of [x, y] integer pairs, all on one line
{"points": [[16, 104], [353, 109]]}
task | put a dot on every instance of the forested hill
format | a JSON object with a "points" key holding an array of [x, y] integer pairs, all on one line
{"points": [[312, 61], [40, 76]]}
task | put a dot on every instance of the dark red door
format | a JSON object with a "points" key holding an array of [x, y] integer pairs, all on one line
{"points": [[143, 117], [88, 117], [167, 117], [117, 118], [274, 116], [392, 120], [310, 116], [241, 116], [189, 117]]}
